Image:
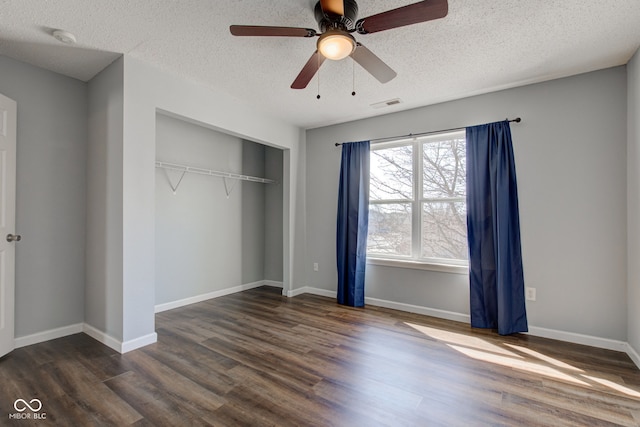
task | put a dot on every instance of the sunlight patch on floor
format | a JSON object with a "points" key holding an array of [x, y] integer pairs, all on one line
{"points": [[520, 364], [519, 357], [460, 339], [550, 360], [614, 386]]}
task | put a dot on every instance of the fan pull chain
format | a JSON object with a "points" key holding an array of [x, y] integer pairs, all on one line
{"points": [[318, 61], [353, 93]]}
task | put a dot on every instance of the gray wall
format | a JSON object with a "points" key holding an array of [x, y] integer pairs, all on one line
{"points": [[103, 291], [273, 249], [205, 240], [570, 153], [262, 236], [252, 213], [50, 209], [633, 201]]}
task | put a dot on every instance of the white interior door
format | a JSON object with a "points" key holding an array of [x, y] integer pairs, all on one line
{"points": [[8, 112]]}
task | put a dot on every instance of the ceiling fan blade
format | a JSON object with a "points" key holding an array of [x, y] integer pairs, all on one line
{"points": [[332, 6], [374, 65], [257, 30], [308, 71], [407, 15]]}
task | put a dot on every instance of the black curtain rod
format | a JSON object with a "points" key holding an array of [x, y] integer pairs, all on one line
{"points": [[411, 135]]}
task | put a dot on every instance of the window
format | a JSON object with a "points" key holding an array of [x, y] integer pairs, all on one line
{"points": [[417, 207]]}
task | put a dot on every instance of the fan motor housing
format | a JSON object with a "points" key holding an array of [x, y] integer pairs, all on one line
{"points": [[329, 21]]}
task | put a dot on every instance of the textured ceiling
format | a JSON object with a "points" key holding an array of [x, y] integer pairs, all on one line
{"points": [[481, 46]]}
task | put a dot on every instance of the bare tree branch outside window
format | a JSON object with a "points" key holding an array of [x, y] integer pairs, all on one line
{"points": [[391, 179], [440, 203], [444, 210]]}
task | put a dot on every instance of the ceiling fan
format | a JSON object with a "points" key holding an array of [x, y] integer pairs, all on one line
{"points": [[337, 21]]}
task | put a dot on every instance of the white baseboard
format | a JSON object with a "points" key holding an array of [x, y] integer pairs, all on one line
{"points": [[94, 333], [433, 312], [312, 291], [633, 355], [51, 334], [209, 295], [102, 337], [130, 345], [117, 345], [295, 292], [575, 338]]}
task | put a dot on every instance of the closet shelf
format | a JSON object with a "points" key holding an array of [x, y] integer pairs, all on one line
{"points": [[191, 169], [184, 169]]}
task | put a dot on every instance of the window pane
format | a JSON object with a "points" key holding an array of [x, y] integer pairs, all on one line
{"points": [[444, 168], [391, 173], [444, 230], [390, 229]]}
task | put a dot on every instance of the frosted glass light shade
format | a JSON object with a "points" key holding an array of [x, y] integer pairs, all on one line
{"points": [[336, 46]]}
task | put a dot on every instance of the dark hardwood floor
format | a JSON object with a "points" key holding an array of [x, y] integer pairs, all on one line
{"points": [[258, 359]]}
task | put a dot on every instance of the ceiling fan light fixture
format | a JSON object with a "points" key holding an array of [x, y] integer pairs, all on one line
{"points": [[336, 45]]}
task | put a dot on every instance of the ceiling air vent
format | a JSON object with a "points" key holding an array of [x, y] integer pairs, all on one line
{"points": [[387, 103]]}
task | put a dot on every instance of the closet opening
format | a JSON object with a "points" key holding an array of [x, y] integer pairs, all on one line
{"points": [[218, 213]]}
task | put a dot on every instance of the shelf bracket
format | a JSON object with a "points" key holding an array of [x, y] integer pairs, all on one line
{"points": [[229, 188], [175, 187]]}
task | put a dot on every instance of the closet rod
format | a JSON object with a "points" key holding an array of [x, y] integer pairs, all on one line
{"points": [[209, 172], [411, 135]]}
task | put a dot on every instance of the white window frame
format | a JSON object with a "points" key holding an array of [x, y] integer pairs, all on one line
{"points": [[414, 261]]}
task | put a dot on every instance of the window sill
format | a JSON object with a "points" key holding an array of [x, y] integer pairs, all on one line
{"points": [[401, 263]]}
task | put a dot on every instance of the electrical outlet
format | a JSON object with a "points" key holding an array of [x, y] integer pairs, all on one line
{"points": [[315, 266], [530, 293]]}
